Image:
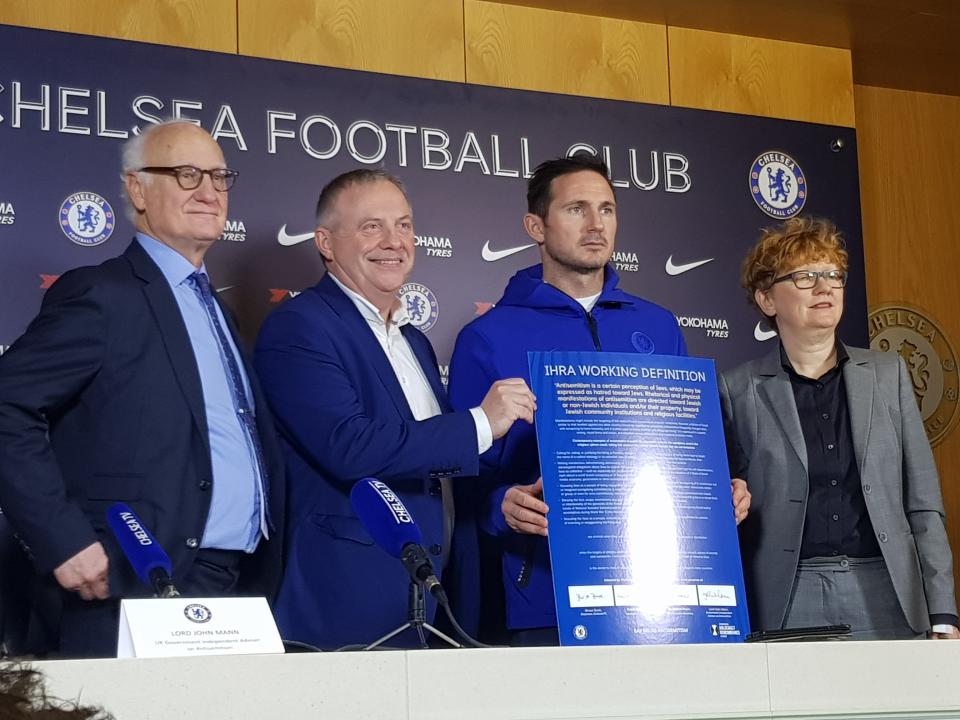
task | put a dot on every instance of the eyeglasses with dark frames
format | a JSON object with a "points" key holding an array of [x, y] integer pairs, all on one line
{"points": [[189, 177], [807, 279]]}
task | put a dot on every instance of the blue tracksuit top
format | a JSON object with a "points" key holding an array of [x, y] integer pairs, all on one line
{"points": [[535, 316]]}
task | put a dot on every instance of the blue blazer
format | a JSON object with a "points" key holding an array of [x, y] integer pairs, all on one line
{"points": [[342, 417], [100, 402]]}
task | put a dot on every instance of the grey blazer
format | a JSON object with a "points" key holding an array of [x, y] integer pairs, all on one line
{"points": [[900, 484]]}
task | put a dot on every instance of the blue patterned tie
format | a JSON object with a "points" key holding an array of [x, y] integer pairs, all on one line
{"points": [[247, 417]]}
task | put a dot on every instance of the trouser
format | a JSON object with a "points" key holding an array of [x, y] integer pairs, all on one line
{"points": [[843, 590], [535, 637]]}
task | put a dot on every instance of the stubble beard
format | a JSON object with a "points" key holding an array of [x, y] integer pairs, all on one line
{"points": [[575, 266]]}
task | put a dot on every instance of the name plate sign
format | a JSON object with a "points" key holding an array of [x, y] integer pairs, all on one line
{"points": [[183, 627], [643, 541]]}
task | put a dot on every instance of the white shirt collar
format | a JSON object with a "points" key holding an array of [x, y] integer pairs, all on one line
{"points": [[370, 311]]}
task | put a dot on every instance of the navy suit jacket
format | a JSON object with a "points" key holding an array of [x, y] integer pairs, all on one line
{"points": [[107, 372], [342, 417]]}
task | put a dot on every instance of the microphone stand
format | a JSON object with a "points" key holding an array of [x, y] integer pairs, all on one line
{"points": [[416, 620]]}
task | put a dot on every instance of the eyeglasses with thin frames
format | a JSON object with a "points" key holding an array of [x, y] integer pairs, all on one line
{"points": [[806, 279], [189, 177]]}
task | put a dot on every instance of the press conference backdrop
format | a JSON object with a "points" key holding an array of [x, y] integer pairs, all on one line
{"points": [[693, 187]]}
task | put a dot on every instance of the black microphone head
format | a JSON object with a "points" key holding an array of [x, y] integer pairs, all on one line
{"points": [[140, 547], [384, 516]]}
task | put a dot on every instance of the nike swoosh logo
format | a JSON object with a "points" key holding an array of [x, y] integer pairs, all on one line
{"points": [[494, 255], [762, 335], [288, 240], [680, 269]]}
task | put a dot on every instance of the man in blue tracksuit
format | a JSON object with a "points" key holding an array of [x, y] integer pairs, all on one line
{"points": [[569, 302]]}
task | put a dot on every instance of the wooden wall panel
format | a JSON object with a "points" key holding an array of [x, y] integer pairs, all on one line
{"points": [[201, 24], [419, 38], [533, 49], [909, 150], [771, 78]]}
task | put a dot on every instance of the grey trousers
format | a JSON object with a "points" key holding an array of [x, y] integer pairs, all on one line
{"points": [[853, 591]]}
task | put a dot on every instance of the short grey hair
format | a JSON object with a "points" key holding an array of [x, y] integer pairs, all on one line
{"points": [[133, 157], [364, 176]]}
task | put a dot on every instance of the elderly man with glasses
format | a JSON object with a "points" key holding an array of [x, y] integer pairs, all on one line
{"points": [[130, 386], [846, 524]]}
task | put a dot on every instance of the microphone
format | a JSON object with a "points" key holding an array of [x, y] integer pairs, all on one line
{"points": [[392, 527], [151, 564]]}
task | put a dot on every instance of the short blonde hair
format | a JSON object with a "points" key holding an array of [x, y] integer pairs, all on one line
{"points": [[794, 242]]}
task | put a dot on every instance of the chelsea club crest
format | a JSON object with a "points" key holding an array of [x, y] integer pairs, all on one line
{"points": [[87, 218], [195, 612], [931, 362], [421, 305], [778, 185]]}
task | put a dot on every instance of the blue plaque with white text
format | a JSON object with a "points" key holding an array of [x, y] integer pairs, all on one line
{"points": [[643, 541]]}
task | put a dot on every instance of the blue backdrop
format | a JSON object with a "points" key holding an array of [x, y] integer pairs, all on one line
{"points": [[687, 211]]}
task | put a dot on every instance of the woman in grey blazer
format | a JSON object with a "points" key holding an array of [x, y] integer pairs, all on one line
{"points": [[846, 523]]}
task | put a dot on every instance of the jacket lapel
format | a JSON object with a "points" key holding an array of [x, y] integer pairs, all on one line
{"points": [[860, 381], [370, 347], [776, 388], [166, 312]]}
